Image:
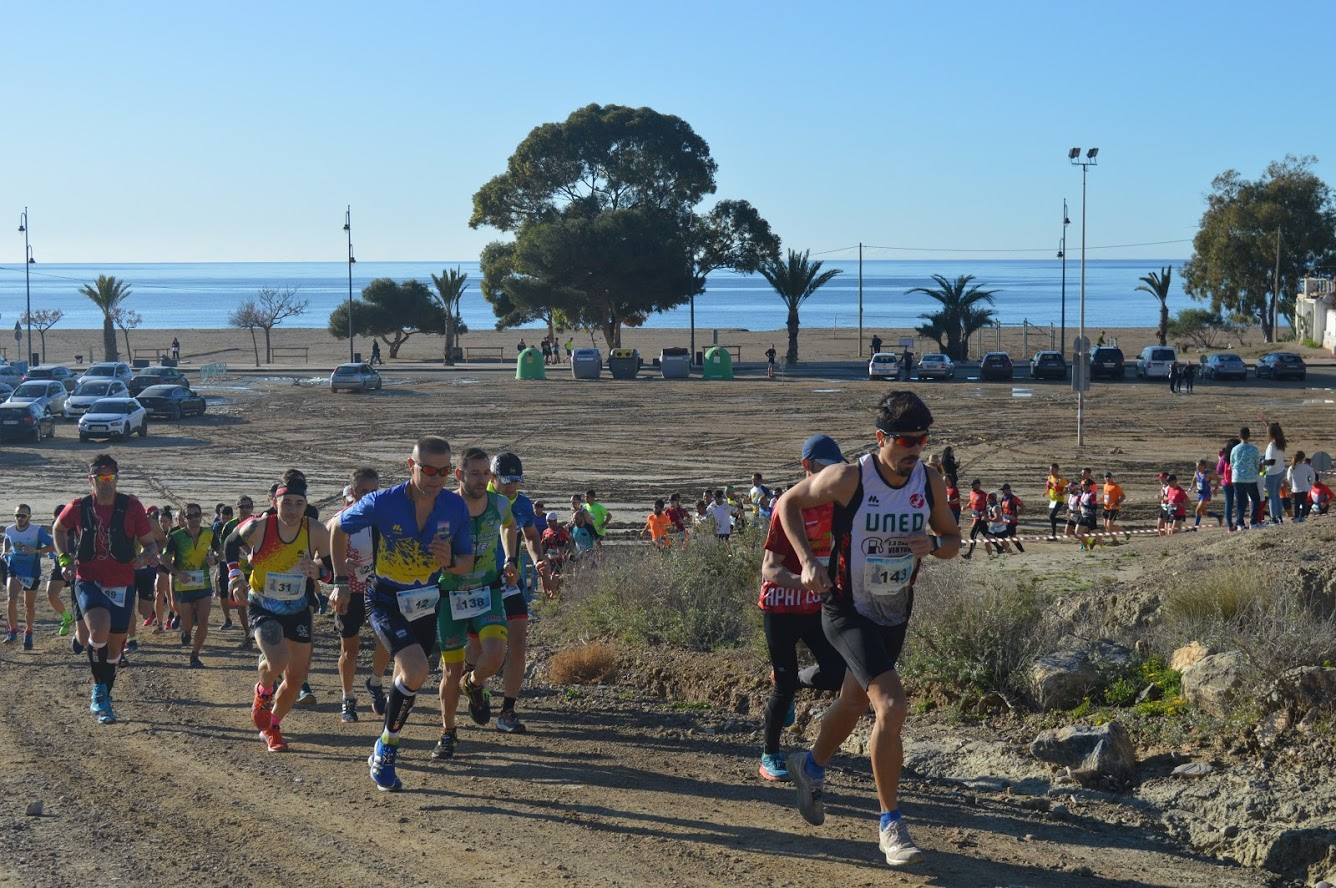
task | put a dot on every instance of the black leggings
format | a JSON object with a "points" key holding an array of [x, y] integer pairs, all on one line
{"points": [[1054, 509], [782, 634], [980, 526]]}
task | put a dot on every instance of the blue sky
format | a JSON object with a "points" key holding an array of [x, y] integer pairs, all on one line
{"points": [[158, 132]]}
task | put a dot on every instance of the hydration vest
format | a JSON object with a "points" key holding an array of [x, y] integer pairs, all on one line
{"points": [[121, 545]]}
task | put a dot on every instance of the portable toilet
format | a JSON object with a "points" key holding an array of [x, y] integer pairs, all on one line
{"points": [[623, 363], [675, 363], [718, 363], [529, 365], [586, 363]]}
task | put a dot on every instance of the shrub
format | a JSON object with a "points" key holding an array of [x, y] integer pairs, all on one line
{"points": [[593, 663], [973, 637], [701, 596]]}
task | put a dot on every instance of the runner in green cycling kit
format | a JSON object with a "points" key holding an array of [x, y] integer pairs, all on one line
{"points": [[471, 603]]}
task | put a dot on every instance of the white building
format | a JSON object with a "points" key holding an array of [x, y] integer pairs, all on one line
{"points": [[1315, 311]]}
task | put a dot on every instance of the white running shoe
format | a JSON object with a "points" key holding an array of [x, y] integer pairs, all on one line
{"points": [[898, 847], [810, 791]]}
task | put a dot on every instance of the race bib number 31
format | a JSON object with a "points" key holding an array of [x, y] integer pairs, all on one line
{"points": [[285, 586], [468, 603]]}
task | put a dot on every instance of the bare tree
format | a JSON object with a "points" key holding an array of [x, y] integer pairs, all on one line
{"points": [[127, 319], [247, 316], [273, 307], [43, 319]]}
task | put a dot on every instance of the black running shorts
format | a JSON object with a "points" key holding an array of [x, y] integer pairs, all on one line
{"points": [[869, 649], [296, 627], [350, 622]]}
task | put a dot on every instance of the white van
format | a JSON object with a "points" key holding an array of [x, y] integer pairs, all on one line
{"points": [[1155, 360]]}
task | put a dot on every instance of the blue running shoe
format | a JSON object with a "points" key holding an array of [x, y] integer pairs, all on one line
{"points": [[108, 715], [100, 701], [791, 715], [773, 768], [381, 762]]}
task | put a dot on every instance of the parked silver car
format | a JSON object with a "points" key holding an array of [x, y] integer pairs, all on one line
{"points": [[48, 391], [936, 366], [354, 378], [59, 372], [109, 370], [77, 404]]}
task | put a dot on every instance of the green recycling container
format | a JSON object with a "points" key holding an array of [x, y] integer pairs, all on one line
{"points": [[718, 364], [529, 365]]}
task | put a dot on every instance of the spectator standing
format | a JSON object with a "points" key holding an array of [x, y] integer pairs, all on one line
{"points": [[176, 350], [1226, 476], [1189, 374], [949, 464], [570, 347], [547, 351], [876, 343], [1173, 377], [1301, 478], [1244, 462], [375, 353], [953, 497], [1274, 460]]}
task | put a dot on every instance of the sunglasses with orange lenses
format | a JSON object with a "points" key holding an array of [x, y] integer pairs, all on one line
{"points": [[910, 440], [431, 471]]}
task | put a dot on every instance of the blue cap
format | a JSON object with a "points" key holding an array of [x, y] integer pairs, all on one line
{"points": [[822, 449]]}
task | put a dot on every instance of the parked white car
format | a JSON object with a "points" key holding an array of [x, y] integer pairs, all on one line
{"points": [[86, 395], [884, 365], [1155, 360], [116, 418], [108, 370]]}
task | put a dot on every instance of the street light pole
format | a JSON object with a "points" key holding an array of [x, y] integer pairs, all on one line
{"points": [[1062, 254], [27, 282], [1082, 355], [348, 227]]}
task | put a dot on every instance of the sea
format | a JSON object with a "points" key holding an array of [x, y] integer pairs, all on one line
{"points": [[203, 294]]}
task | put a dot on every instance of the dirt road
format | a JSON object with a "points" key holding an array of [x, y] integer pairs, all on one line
{"points": [[609, 788]]}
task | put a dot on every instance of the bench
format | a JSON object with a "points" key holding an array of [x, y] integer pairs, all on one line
{"points": [[290, 351], [485, 352], [735, 350]]}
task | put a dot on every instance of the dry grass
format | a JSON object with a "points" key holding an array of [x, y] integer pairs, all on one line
{"points": [[592, 663]]}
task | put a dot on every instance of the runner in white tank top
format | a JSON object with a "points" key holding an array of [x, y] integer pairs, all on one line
{"points": [[885, 506], [358, 570]]}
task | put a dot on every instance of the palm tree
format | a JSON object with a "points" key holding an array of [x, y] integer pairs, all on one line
{"points": [[795, 280], [1157, 285], [108, 294], [450, 287], [962, 313]]}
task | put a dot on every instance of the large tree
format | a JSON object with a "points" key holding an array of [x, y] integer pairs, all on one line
{"points": [[1159, 285], [450, 287], [645, 170], [1233, 263], [127, 319], [795, 280], [247, 316], [961, 314], [392, 311], [108, 294]]}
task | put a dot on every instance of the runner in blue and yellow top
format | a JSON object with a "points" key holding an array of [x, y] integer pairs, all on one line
{"points": [[191, 552], [285, 546], [507, 476], [421, 529], [471, 603]]}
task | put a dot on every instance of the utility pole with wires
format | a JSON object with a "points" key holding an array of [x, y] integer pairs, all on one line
{"points": [[860, 299]]}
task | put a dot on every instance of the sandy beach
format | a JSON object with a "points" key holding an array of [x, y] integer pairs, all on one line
{"points": [[233, 346]]}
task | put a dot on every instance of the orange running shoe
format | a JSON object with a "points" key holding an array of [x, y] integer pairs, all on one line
{"points": [[260, 708], [273, 738]]}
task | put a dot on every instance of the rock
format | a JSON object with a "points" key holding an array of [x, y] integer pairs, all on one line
{"points": [[1188, 655], [35, 809], [1297, 853], [1192, 769], [1270, 728], [1150, 692], [1110, 655], [1306, 687], [1211, 683], [1092, 753], [1062, 679]]}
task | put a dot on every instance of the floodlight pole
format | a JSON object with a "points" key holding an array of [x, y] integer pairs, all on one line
{"points": [[1062, 254], [860, 300]]}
